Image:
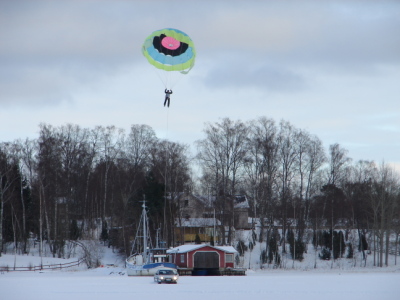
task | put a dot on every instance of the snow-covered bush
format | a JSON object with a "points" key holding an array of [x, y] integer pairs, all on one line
{"points": [[325, 254]]}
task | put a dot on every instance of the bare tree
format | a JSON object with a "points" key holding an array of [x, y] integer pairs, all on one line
{"points": [[315, 159], [110, 145], [49, 179], [261, 169], [170, 165], [74, 154], [223, 153], [385, 193], [27, 152], [338, 161], [288, 156], [132, 166], [309, 159], [358, 191], [8, 181]]}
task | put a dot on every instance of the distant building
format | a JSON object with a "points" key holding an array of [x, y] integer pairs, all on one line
{"points": [[198, 217], [187, 229], [203, 258]]}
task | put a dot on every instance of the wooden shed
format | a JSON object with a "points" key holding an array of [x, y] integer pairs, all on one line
{"points": [[204, 259]]}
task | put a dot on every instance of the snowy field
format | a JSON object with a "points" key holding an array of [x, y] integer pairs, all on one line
{"points": [[113, 283]]}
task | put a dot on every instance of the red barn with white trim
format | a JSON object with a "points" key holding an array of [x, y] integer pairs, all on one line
{"points": [[212, 260]]}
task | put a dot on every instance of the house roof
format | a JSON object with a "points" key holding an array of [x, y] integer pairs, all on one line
{"points": [[198, 222], [188, 248], [240, 201]]}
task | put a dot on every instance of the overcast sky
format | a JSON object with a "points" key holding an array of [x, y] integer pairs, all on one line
{"points": [[331, 68]]}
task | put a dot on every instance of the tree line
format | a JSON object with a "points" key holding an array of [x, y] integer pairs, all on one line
{"points": [[291, 180], [70, 181]]}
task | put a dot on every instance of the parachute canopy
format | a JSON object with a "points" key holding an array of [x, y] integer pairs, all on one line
{"points": [[170, 50]]}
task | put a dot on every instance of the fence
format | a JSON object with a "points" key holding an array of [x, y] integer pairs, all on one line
{"points": [[41, 267]]}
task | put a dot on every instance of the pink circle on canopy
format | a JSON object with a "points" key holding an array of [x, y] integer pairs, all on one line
{"points": [[170, 43]]}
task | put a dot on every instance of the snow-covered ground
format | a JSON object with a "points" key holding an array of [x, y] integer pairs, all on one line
{"points": [[111, 282]]}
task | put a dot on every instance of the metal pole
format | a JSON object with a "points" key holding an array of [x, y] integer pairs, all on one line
{"points": [[144, 231]]}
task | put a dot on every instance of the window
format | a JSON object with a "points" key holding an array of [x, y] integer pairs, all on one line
{"points": [[186, 203], [229, 258], [182, 258]]}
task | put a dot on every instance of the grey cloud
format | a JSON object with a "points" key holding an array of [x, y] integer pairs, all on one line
{"points": [[83, 40], [269, 77], [64, 32], [31, 86], [346, 34], [48, 49]]}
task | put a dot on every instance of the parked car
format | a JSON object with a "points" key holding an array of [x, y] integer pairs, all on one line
{"points": [[166, 275]]}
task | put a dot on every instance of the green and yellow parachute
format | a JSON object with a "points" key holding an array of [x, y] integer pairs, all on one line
{"points": [[170, 50]]}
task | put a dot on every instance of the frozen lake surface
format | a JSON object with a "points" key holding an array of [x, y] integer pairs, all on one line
{"points": [[113, 283]]}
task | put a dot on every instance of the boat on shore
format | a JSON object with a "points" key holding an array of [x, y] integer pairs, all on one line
{"points": [[136, 267], [145, 260]]}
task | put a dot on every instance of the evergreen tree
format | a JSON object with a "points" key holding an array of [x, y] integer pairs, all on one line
{"points": [[325, 254], [350, 252], [263, 257], [339, 245], [197, 240], [327, 239], [251, 246], [241, 247], [74, 231], [212, 240], [273, 255], [363, 244], [104, 233], [297, 247], [318, 239], [254, 237]]}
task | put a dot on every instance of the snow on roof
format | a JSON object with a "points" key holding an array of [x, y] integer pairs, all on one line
{"points": [[188, 248], [198, 222], [229, 249], [206, 200], [240, 201]]}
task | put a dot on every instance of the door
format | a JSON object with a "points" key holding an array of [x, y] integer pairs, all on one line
{"points": [[206, 260]]}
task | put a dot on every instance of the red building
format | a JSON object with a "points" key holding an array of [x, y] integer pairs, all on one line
{"points": [[204, 259]]}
